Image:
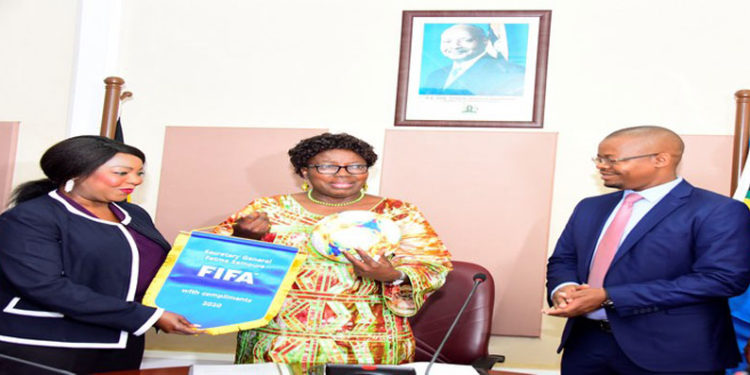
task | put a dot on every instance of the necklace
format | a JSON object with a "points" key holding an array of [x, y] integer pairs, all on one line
{"points": [[310, 197]]}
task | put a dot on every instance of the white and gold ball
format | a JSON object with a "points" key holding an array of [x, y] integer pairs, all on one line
{"points": [[349, 230]]}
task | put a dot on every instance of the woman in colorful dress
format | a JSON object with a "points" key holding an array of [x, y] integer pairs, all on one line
{"points": [[340, 312]]}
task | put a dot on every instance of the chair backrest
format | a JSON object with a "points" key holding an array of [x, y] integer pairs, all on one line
{"points": [[470, 338]]}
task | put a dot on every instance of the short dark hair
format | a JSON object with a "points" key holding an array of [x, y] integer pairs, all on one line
{"points": [[307, 148], [72, 158]]}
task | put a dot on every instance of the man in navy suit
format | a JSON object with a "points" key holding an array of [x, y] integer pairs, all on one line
{"points": [[658, 304]]}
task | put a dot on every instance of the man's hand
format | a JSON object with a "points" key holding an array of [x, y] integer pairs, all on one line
{"points": [[253, 226], [376, 268], [561, 298], [582, 300], [170, 322]]}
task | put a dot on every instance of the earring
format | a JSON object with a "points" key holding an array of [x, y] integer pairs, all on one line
{"points": [[305, 186], [69, 185], [364, 187]]}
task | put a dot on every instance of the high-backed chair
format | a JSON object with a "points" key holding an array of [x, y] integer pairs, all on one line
{"points": [[468, 342]]}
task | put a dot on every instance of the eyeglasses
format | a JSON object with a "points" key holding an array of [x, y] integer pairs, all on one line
{"points": [[610, 161], [333, 169]]}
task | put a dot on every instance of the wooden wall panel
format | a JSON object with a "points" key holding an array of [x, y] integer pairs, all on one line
{"points": [[8, 141], [208, 173], [488, 195], [707, 162]]}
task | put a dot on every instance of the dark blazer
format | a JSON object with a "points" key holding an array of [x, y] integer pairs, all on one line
{"points": [[670, 278], [488, 77], [68, 279]]}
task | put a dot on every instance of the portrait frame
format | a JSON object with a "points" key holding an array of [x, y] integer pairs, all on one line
{"points": [[501, 84]]}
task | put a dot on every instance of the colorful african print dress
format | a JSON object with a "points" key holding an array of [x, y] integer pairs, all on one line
{"points": [[333, 316]]}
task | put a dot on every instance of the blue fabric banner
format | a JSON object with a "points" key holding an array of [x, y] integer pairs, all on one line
{"points": [[224, 283]]}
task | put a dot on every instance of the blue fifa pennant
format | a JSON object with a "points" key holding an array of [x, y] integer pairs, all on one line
{"points": [[223, 283]]}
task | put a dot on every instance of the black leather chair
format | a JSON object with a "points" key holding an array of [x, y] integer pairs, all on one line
{"points": [[468, 342]]}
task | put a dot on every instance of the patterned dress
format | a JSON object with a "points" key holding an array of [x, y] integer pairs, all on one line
{"points": [[330, 314]]}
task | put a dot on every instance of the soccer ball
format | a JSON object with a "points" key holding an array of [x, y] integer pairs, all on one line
{"points": [[349, 230]]}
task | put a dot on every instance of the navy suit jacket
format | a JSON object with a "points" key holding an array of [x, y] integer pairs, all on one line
{"points": [[670, 279], [69, 280]]}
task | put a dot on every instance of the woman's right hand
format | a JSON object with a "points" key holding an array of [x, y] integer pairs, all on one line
{"points": [[176, 323], [253, 226]]}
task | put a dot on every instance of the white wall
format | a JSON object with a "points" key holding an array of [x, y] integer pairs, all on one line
{"points": [[333, 63], [37, 45]]}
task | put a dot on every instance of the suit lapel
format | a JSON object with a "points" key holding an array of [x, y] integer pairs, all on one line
{"points": [[674, 199]]}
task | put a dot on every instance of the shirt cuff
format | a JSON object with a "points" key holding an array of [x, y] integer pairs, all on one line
{"points": [[150, 322], [562, 285]]}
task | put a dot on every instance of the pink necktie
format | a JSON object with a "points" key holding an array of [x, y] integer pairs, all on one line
{"points": [[611, 241]]}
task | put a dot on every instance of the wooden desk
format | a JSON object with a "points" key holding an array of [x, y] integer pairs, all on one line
{"points": [[184, 371]]}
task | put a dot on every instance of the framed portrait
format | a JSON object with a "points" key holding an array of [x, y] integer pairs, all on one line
{"points": [[473, 68]]}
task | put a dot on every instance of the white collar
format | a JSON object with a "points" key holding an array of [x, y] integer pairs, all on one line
{"points": [[656, 193], [56, 196]]}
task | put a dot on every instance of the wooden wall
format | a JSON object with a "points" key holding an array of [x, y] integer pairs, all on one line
{"points": [[8, 141], [487, 193]]}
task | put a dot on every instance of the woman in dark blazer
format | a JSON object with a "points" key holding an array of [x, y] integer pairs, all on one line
{"points": [[76, 259]]}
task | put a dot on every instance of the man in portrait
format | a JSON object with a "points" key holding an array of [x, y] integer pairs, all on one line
{"points": [[473, 71]]}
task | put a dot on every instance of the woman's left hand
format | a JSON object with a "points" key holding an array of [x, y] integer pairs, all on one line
{"points": [[377, 268]]}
